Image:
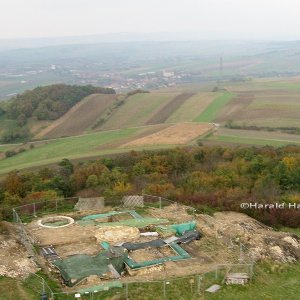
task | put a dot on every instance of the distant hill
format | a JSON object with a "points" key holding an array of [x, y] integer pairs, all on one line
{"points": [[40, 106]]}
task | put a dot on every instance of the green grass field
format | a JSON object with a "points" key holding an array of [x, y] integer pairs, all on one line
{"points": [[71, 147], [211, 112], [78, 147], [250, 141], [254, 137]]}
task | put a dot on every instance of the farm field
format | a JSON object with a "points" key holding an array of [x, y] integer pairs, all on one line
{"points": [[70, 147], [213, 109], [192, 107], [161, 119], [80, 117], [253, 137], [177, 134], [138, 110], [269, 103], [104, 142]]}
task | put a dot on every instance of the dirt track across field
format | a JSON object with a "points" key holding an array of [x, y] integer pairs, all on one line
{"points": [[180, 133]]}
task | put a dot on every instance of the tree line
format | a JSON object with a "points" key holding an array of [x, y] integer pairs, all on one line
{"points": [[209, 178], [42, 103]]}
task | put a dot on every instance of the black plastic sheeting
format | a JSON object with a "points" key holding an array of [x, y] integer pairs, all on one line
{"points": [[187, 237], [136, 246]]}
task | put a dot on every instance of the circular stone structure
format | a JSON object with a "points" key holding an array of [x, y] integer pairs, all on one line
{"points": [[61, 221]]}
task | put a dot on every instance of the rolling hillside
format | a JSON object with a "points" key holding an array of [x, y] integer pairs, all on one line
{"points": [[104, 142], [255, 112], [80, 117], [138, 110]]}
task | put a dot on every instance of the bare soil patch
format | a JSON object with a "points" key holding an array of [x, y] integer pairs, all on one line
{"points": [[14, 260], [60, 236], [142, 255], [260, 242], [174, 212], [180, 133], [87, 248], [117, 234], [144, 132]]}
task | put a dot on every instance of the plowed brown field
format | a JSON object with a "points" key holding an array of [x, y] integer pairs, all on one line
{"points": [[177, 134]]}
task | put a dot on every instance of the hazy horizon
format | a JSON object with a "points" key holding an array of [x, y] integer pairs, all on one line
{"points": [[212, 19]]}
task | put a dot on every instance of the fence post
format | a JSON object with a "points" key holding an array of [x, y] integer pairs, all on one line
{"points": [[55, 204], [34, 212], [126, 290], [159, 198], [198, 284], [251, 270], [216, 274], [14, 216]]}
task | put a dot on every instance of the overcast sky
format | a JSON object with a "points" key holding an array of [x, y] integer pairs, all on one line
{"points": [[249, 19]]}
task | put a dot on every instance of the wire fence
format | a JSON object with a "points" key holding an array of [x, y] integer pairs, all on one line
{"points": [[189, 287], [184, 288]]}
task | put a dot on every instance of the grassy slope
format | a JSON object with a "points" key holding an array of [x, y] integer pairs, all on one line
{"points": [[209, 114], [13, 289], [138, 109], [71, 147]]}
